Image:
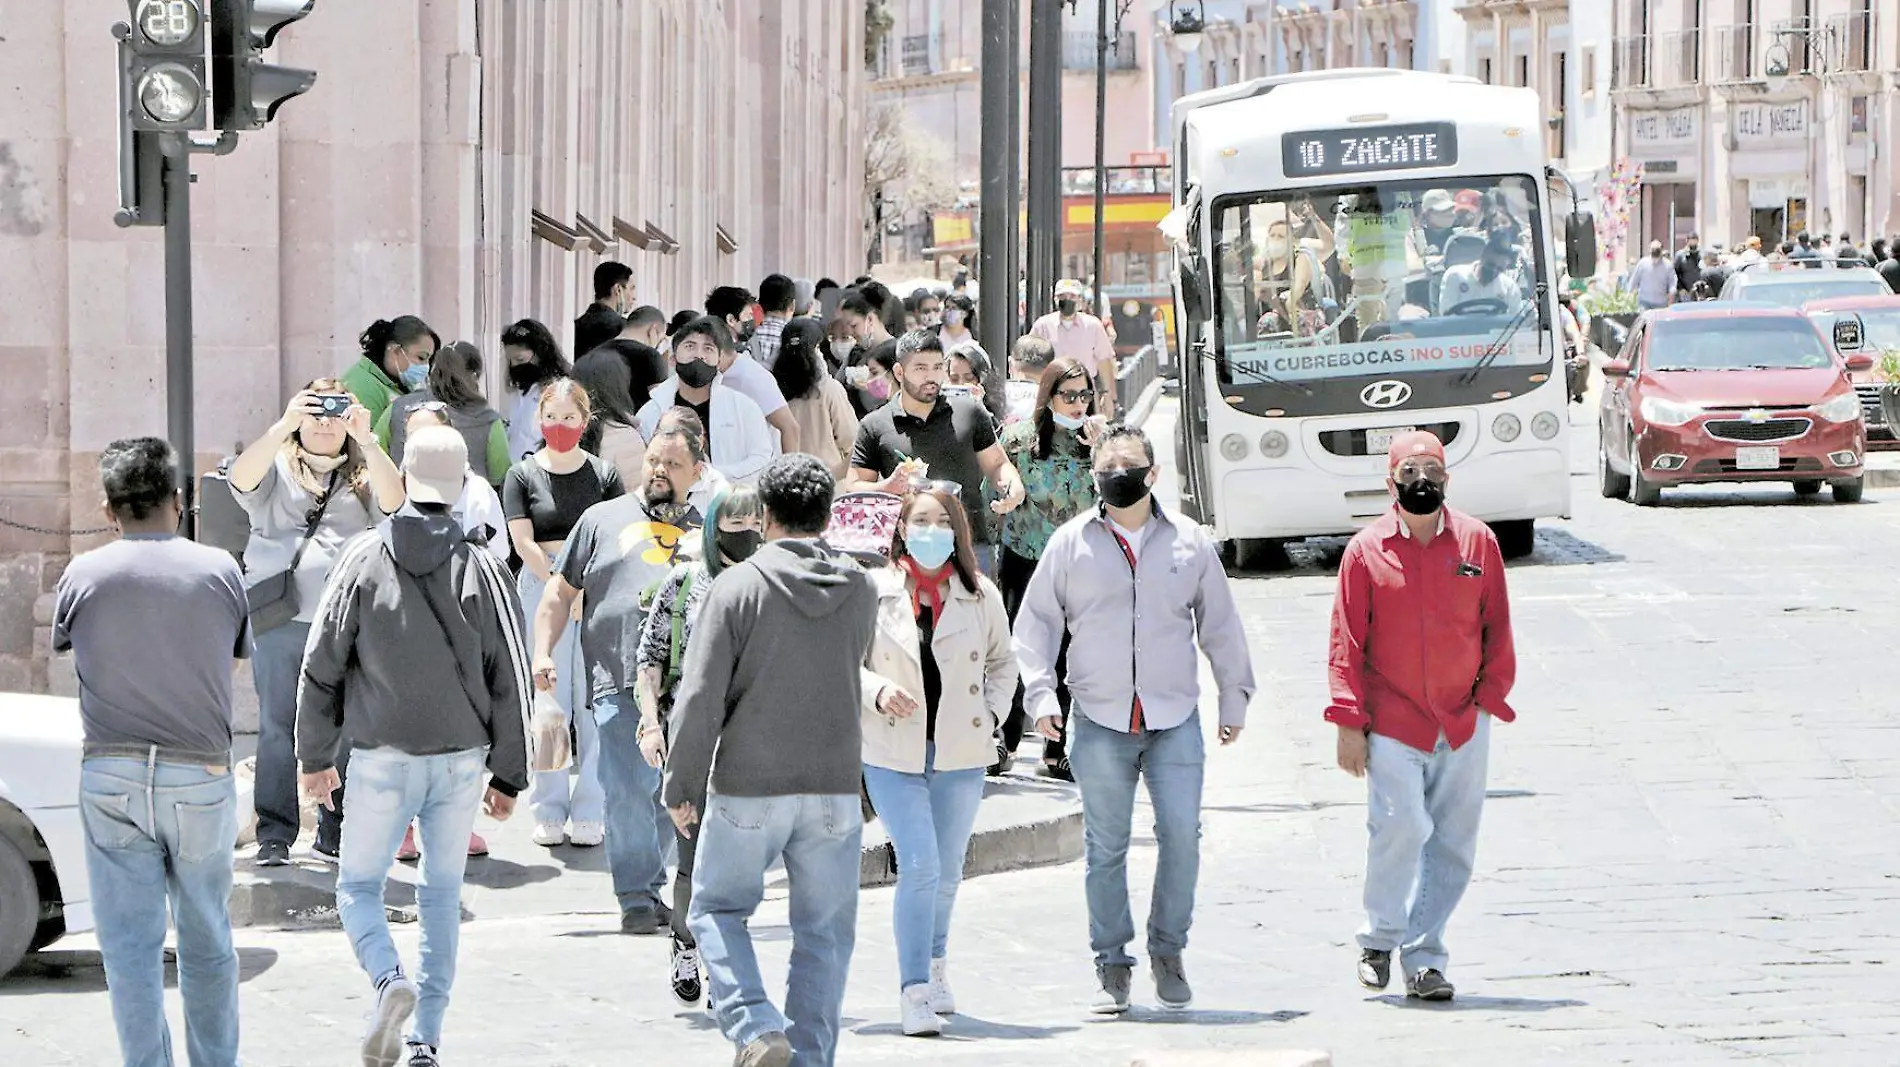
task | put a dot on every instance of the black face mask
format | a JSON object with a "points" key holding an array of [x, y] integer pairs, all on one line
{"points": [[1422, 497], [738, 545], [697, 373], [1122, 488], [525, 376], [1067, 307]]}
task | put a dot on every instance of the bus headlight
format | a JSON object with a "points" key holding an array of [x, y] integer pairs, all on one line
{"points": [[1545, 425], [1273, 444], [1506, 427], [1233, 448]]}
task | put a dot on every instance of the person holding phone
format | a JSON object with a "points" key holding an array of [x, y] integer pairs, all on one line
{"points": [[314, 480]]}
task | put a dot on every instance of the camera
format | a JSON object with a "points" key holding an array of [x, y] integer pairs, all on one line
{"points": [[334, 405]]}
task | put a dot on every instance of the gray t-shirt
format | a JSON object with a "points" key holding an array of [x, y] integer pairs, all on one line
{"points": [[616, 555], [279, 509], [153, 622]]}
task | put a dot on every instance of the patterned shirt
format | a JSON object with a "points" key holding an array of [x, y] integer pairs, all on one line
{"points": [[765, 341], [1055, 489], [656, 635]]}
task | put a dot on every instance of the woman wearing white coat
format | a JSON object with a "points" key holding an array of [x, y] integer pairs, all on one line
{"points": [[938, 679]]}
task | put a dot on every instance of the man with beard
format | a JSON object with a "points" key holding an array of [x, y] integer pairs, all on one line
{"points": [[954, 439], [613, 298], [738, 439], [1493, 277], [616, 554], [1422, 661]]}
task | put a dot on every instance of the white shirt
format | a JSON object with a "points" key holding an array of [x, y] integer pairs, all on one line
{"points": [[742, 443], [757, 383], [1462, 283], [1135, 538], [478, 509], [520, 415]]}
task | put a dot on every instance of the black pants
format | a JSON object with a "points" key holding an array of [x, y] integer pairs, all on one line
{"points": [[683, 886], [1012, 578]]}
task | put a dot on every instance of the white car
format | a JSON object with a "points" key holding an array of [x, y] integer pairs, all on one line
{"points": [[43, 887]]}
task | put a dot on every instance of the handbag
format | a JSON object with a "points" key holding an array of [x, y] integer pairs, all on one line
{"points": [[273, 600]]}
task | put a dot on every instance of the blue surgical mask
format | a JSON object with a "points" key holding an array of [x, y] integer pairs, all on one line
{"points": [[416, 375], [1067, 422], [930, 546]]}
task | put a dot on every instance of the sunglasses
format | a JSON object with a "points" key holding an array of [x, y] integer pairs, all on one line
{"points": [[939, 485], [1073, 396], [1414, 471], [433, 406]]}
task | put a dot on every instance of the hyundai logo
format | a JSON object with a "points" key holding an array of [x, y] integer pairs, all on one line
{"points": [[1386, 394]]}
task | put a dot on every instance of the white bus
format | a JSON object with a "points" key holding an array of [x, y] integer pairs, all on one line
{"points": [[1359, 253]]}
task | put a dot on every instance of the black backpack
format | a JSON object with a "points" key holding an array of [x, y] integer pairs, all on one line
{"points": [[222, 521]]}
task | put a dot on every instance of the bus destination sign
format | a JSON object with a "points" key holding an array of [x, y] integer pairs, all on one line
{"points": [[1375, 148]]}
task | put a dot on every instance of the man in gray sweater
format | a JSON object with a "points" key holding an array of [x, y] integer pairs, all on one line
{"points": [[768, 710], [417, 655]]}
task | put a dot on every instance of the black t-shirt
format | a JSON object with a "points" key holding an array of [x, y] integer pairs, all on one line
{"points": [[949, 440], [1890, 270], [933, 677], [704, 411], [554, 502]]}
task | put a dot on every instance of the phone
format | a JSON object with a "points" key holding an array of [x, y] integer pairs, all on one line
{"points": [[959, 390], [334, 405]]}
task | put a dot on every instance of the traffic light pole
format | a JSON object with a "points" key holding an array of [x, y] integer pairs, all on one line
{"points": [[179, 389]]}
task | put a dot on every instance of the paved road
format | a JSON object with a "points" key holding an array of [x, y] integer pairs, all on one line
{"points": [[1689, 855]]}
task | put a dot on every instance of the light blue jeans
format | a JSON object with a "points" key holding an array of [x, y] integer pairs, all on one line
{"points": [[159, 833], [1107, 764], [1422, 814], [820, 838], [388, 789], [573, 793], [929, 817], [638, 826]]}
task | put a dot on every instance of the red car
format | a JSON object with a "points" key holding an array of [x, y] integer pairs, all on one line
{"points": [[1725, 391], [1880, 334]]}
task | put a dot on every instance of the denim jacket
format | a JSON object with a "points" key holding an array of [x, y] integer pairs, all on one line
{"points": [[1133, 632]]}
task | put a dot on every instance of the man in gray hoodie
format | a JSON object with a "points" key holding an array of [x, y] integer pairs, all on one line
{"points": [[768, 710], [417, 654]]}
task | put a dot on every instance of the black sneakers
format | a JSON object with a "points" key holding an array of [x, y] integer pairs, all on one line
{"points": [[421, 1055], [687, 987], [1429, 984], [642, 922], [1375, 968], [273, 854]]}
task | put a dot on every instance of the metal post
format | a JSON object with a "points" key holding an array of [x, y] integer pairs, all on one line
{"points": [[997, 289], [1013, 247], [1101, 133], [1045, 157], [178, 384]]}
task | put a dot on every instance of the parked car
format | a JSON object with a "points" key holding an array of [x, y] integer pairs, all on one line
{"points": [[1729, 392], [1793, 282], [43, 889], [1880, 334]]}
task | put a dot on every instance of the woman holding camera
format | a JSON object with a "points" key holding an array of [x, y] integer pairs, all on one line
{"points": [[314, 480]]}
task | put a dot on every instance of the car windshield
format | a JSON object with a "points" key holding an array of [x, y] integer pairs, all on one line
{"points": [[1743, 343], [1317, 288], [1794, 294]]}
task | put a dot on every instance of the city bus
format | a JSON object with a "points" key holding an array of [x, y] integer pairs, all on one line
{"points": [[1359, 253]]}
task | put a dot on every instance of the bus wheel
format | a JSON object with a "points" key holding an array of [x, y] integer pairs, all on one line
{"points": [[1265, 554], [1517, 538], [1230, 554]]}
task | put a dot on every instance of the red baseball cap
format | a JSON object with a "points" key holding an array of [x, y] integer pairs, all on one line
{"points": [[1415, 443]]}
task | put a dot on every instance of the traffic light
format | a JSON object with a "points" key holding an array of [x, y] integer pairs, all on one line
{"points": [[246, 91], [167, 42]]}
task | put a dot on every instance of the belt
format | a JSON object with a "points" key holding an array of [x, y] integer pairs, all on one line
{"points": [[155, 753]]}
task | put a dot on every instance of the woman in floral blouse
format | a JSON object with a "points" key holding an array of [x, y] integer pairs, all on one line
{"points": [[1052, 450]]}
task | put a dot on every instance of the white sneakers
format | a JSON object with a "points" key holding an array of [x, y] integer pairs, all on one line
{"points": [[919, 1020], [395, 1002], [550, 834], [941, 1000], [587, 834]]}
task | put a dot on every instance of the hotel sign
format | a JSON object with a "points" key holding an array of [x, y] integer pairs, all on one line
{"points": [[1666, 129]]}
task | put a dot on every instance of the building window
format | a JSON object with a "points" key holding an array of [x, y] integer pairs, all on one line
{"points": [[1213, 73], [1588, 86], [1523, 71], [1484, 70]]}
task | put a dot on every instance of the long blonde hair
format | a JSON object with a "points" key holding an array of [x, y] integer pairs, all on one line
{"points": [[355, 468]]}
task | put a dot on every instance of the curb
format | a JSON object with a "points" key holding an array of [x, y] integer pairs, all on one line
{"points": [[1883, 478], [1144, 404], [1042, 843]]}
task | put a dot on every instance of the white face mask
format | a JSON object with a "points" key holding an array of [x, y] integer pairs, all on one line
{"points": [[1276, 248], [841, 350]]}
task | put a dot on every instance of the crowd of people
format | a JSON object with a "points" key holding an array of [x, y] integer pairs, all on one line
{"points": [[618, 589], [1698, 272]]}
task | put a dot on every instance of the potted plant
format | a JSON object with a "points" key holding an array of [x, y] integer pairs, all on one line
{"points": [[1608, 307], [1887, 372]]}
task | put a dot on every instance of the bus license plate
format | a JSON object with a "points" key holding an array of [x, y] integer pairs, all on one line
{"points": [[1757, 459], [1379, 441]]}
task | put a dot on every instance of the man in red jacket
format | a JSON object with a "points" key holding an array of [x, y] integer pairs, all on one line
{"points": [[1421, 662]]}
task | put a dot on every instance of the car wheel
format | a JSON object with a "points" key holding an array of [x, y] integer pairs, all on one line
{"points": [[1264, 554], [1849, 492], [1516, 538], [1230, 554], [1612, 484], [19, 905], [1808, 487], [1643, 492]]}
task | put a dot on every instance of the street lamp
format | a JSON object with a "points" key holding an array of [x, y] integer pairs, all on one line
{"points": [[1187, 25]]}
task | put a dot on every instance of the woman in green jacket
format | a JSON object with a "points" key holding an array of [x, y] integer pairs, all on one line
{"points": [[395, 360]]}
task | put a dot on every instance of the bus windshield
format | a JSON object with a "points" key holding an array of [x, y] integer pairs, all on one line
{"points": [[1319, 291]]}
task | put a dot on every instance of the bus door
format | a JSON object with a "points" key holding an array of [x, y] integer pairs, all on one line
{"points": [[1192, 314]]}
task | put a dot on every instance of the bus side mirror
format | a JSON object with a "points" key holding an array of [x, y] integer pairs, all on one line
{"points": [[1580, 244]]}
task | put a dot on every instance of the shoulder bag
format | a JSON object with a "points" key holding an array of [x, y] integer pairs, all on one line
{"points": [[273, 600]]}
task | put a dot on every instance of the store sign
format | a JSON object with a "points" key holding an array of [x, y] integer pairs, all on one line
{"points": [[1658, 129], [1765, 123]]}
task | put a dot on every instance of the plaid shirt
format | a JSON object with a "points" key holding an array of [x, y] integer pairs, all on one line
{"points": [[765, 341]]}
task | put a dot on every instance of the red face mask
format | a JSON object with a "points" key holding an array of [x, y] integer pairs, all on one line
{"points": [[561, 437]]}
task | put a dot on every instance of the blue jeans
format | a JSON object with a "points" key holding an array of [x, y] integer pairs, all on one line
{"points": [[820, 838], [1422, 814], [277, 668], [159, 833], [929, 817], [638, 827], [556, 796], [388, 789], [1107, 764]]}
